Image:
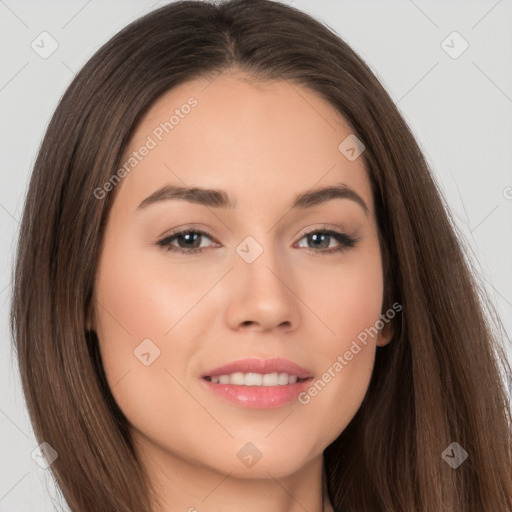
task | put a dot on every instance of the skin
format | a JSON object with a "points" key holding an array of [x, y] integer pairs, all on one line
{"points": [[263, 143]]}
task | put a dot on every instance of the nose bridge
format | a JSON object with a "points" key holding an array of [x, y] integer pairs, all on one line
{"points": [[261, 258], [263, 276]]}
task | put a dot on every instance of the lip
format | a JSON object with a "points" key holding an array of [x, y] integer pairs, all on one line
{"points": [[259, 397], [263, 366]]}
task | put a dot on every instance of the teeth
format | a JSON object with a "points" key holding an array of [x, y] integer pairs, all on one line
{"points": [[255, 379]]}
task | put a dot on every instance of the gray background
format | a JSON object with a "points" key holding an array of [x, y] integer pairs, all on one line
{"points": [[459, 109]]}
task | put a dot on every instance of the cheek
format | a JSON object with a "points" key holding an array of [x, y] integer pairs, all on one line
{"points": [[348, 302], [139, 298], [147, 320], [345, 296], [128, 295], [135, 312]]}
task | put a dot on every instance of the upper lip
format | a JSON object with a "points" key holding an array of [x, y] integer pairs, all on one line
{"points": [[263, 366]]}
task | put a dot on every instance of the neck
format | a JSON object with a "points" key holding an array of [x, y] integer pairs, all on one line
{"points": [[327, 507]]}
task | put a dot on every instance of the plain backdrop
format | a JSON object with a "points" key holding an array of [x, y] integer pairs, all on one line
{"points": [[458, 106]]}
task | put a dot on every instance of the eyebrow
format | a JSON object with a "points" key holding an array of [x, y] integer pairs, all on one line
{"points": [[220, 199]]}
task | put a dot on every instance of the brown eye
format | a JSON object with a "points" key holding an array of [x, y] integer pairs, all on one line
{"points": [[189, 242], [322, 239]]}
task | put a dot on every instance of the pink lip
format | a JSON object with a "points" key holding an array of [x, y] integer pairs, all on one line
{"points": [[263, 366], [259, 397]]}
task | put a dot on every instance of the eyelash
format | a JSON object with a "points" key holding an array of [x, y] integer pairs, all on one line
{"points": [[344, 239]]}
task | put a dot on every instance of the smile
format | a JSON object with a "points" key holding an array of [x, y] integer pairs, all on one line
{"points": [[256, 379]]}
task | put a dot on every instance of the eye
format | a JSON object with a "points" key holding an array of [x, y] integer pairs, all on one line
{"points": [[189, 241], [322, 239]]}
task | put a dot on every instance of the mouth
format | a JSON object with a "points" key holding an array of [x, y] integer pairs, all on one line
{"points": [[258, 383], [256, 379], [254, 370]]}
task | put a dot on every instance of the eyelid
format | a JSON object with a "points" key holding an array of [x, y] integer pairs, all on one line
{"points": [[187, 227], [322, 226], [207, 232]]}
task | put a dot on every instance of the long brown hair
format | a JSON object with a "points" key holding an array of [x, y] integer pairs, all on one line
{"points": [[440, 380]]}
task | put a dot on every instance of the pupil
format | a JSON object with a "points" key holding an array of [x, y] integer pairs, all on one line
{"points": [[315, 236], [187, 238]]}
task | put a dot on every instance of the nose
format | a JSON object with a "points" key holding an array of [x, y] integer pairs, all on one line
{"points": [[261, 294]]}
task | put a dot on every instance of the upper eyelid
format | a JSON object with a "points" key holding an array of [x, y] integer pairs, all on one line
{"points": [[185, 230]]}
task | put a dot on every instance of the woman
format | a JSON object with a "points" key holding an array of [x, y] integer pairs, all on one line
{"points": [[246, 371]]}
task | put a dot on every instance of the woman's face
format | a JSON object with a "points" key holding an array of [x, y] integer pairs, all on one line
{"points": [[261, 280]]}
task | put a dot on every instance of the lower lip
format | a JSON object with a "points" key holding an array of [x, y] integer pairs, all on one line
{"points": [[259, 397]]}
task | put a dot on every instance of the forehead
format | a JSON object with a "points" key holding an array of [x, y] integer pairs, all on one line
{"points": [[247, 137]]}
